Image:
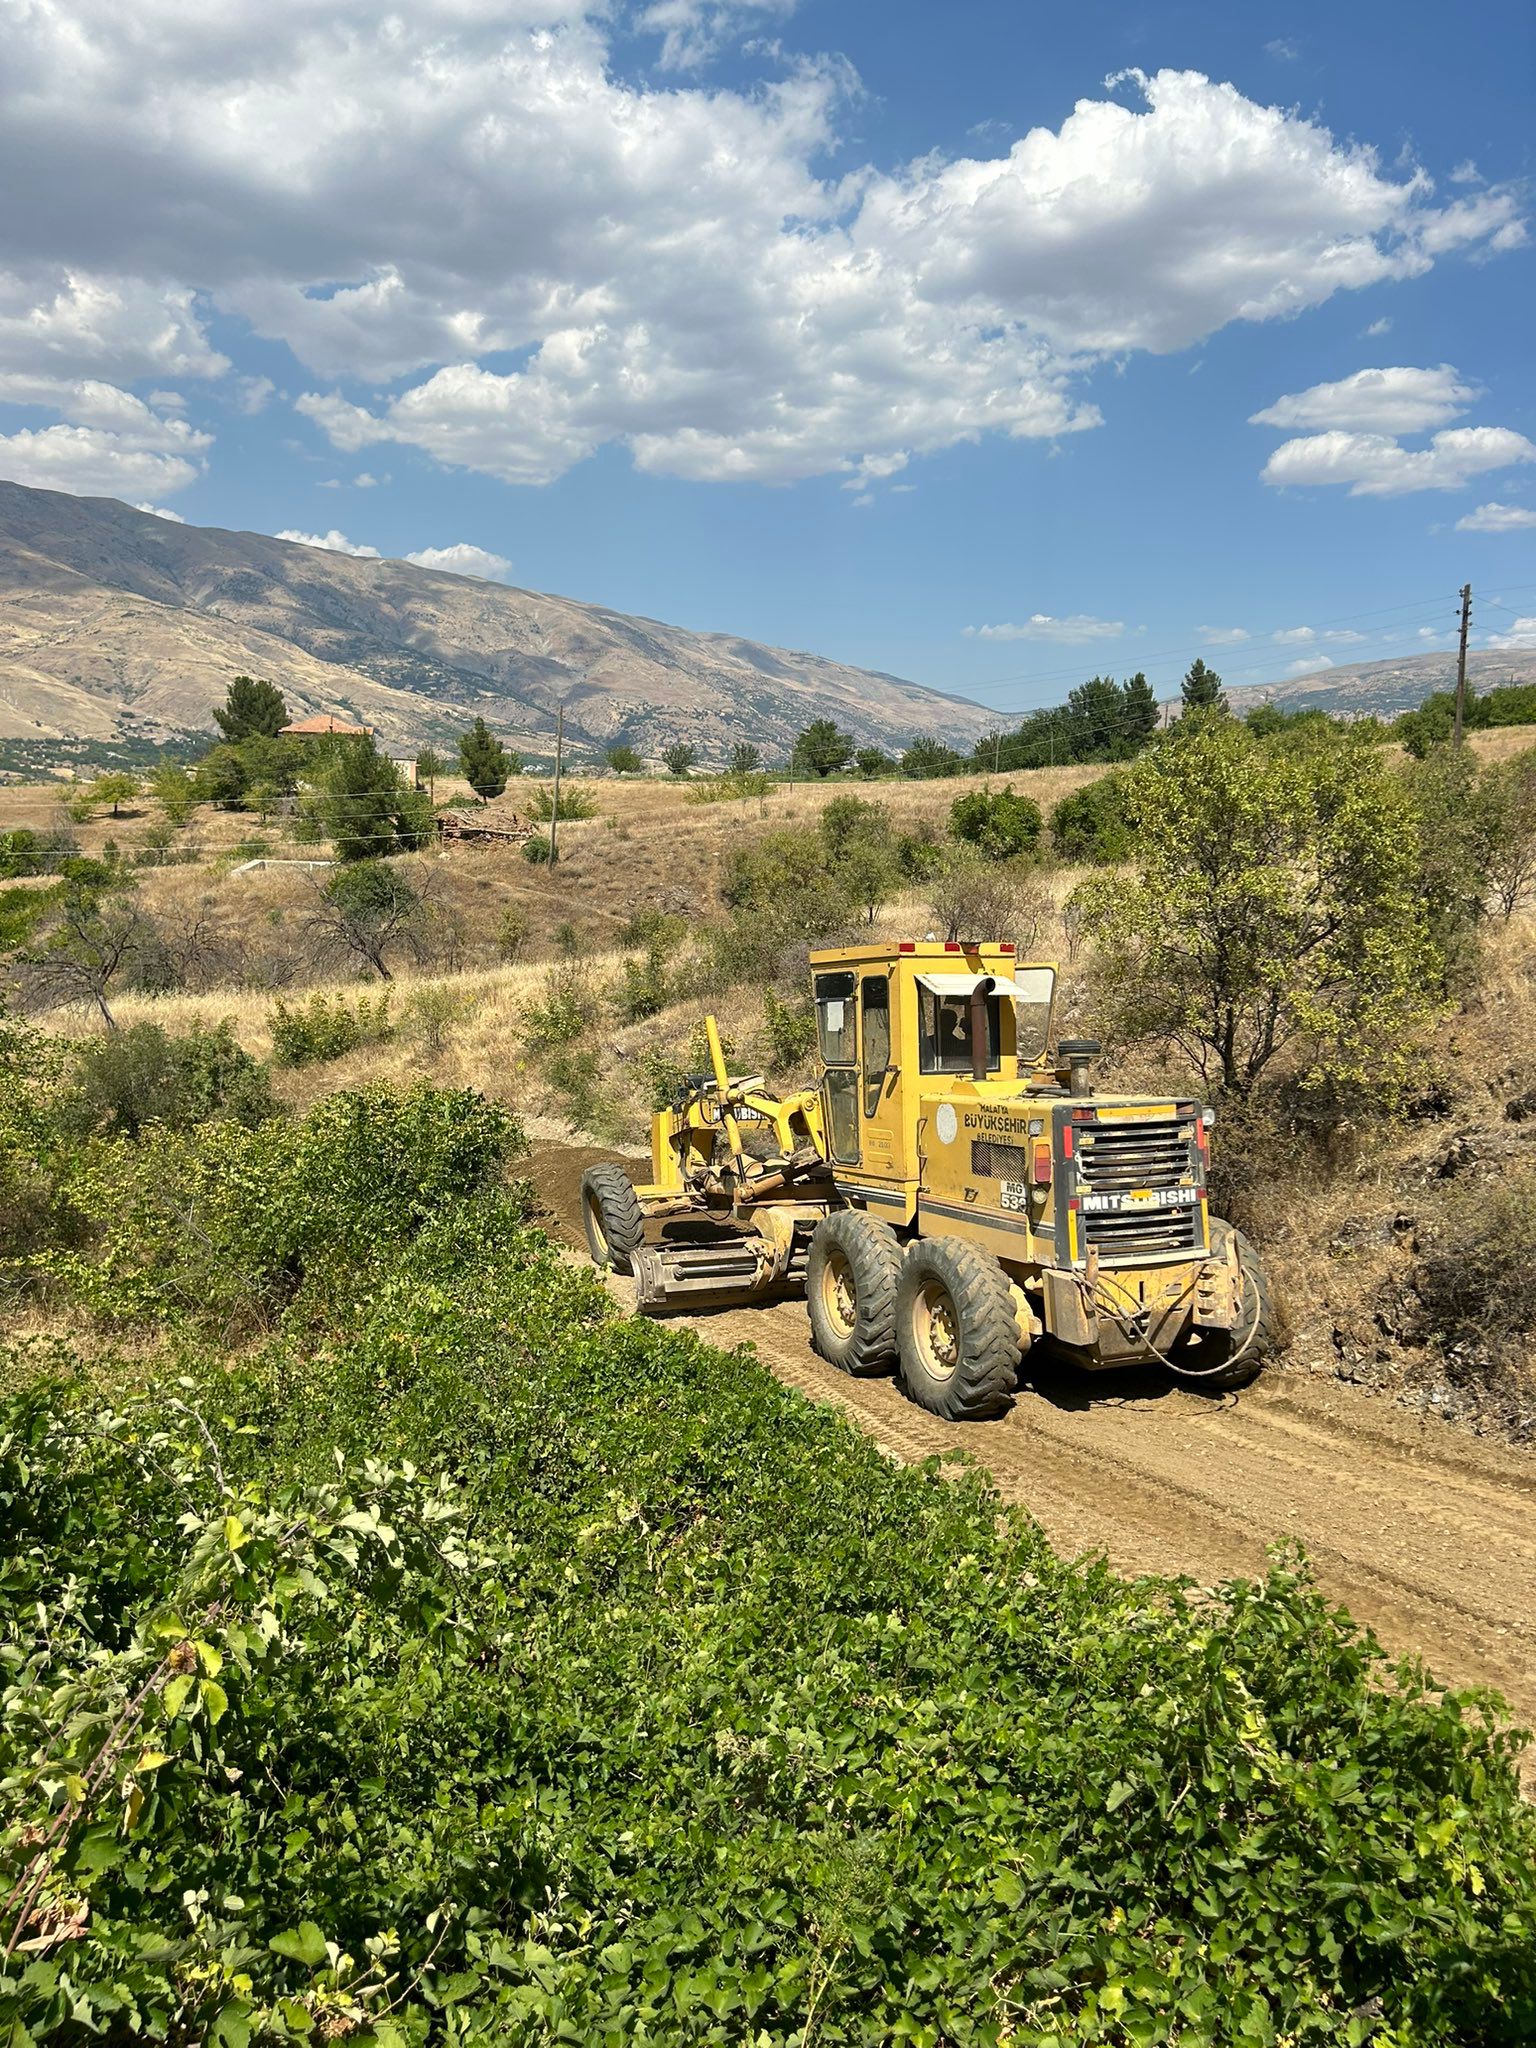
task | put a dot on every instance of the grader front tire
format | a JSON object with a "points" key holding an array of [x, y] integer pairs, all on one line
{"points": [[611, 1217], [850, 1291], [956, 1330], [1238, 1359]]}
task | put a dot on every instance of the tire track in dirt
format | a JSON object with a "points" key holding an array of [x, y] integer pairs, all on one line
{"points": [[1427, 1535]]}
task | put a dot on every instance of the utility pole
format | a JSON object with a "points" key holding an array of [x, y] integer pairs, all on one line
{"points": [[1461, 659], [554, 820]]}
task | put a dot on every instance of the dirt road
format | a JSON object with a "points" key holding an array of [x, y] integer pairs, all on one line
{"points": [[1425, 1534]]}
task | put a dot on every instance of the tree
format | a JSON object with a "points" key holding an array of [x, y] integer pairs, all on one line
{"points": [[251, 710], [999, 824], [1511, 797], [623, 760], [745, 758], [365, 806], [1201, 688], [872, 763], [1094, 720], [1091, 825], [429, 765], [926, 760], [847, 818], [679, 757], [116, 787], [1139, 713], [221, 779], [368, 909], [98, 933], [1275, 913], [172, 789], [973, 899], [870, 871], [486, 763], [823, 747]]}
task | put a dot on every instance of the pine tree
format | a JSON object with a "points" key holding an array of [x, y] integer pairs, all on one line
{"points": [[251, 710], [1139, 713], [1201, 688], [485, 761]]}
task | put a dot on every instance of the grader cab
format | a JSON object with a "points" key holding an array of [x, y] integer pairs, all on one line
{"points": [[951, 1193]]}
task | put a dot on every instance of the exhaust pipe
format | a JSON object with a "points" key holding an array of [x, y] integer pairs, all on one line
{"points": [[1077, 1052]]}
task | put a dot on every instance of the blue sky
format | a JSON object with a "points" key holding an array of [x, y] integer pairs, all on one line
{"points": [[932, 338]]}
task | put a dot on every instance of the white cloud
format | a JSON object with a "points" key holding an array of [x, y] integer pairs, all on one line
{"points": [[253, 393], [693, 30], [333, 542], [1282, 49], [1222, 636], [1308, 665], [1374, 465], [1398, 401], [109, 443], [1496, 518], [1344, 636], [1521, 634], [424, 193], [1068, 632], [1466, 173], [1433, 633], [463, 559], [161, 512], [1381, 326], [1294, 636], [72, 323]]}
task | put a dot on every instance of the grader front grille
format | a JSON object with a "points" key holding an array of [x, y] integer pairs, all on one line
{"points": [[1137, 1186]]}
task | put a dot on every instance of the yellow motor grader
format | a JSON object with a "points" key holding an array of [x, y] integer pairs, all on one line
{"points": [[952, 1192]]}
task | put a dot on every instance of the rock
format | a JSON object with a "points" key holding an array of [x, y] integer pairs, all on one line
{"points": [[1456, 1158]]}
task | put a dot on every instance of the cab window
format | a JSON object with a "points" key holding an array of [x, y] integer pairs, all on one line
{"points": [[944, 1033], [835, 1021], [875, 1005]]}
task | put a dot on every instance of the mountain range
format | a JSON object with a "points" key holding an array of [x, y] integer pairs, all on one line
{"points": [[120, 626], [1362, 689]]}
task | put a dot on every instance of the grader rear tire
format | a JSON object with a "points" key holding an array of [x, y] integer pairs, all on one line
{"points": [[850, 1290], [611, 1216], [956, 1330], [1235, 1359]]}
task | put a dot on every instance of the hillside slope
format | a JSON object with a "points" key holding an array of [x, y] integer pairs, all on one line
{"points": [[114, 623], [1359, 689]]}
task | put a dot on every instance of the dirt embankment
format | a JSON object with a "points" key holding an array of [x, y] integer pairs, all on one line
{"points": [[1426, 1534]]}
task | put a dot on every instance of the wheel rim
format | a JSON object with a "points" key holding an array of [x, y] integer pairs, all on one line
{"points": [[596, 1235], [936, 1327], [839, 1296]]}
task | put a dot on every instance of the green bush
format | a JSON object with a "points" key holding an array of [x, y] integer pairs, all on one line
{"points": [[1091, 825], [129, 1079], [224, 1227], [575, 802], [644, 985], [998, 823], [791, 1029], [511, 933], [24, 852], [306, 1034], [1476, 1274], [537, 849], [567, 1011], [505, 1670]]}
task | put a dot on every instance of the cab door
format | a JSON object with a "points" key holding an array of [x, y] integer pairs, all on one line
{"points": [[837, 1019], [878, 1112]]}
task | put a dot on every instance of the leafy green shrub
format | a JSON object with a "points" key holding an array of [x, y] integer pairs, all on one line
{"points": [[569, 939], [645, 927], [998, 823], [663, 1073], [920, 852], [142, 1075], [306, 1034], [225, 1226], [24, 852], [791, 1029], [575, 1074], [575, 802], [537, 849], [433, 1011], [728, 789], [514, 1671], [644, 984], [511, 933], [1090, 824], [567, 1011]]}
